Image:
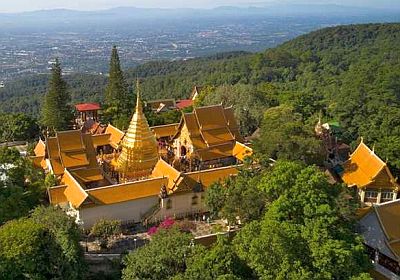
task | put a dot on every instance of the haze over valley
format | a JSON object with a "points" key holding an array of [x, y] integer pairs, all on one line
{"points": [[30, 41]]}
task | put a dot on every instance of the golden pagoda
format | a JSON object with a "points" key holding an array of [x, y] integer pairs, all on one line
{"points": [[139, 153]]}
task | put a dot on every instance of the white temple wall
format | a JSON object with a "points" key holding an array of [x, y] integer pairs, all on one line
{"points": [[180, 205], [127, 211]]}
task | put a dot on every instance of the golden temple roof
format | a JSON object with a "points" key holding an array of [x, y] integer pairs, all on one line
{"points": [[139, 146], [365, 169]]}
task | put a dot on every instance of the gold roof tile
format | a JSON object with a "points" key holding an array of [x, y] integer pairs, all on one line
{"points": [[70, 140], [215, 152], [87, 175], [74, 159], [168, 130], [206, 177], [163, 169], [116, 135], [75, 194], [52, 148], [210, 117], [217, 136], [364, 167], [40, 148], [56, 195], [240, 151], [101, 139], [128, 191]]}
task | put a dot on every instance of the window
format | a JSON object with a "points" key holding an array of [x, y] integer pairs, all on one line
{"points": [[371, 196], [386, 196], [195, 200]]}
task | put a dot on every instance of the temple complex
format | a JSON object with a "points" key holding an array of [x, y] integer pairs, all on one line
{"points": [[144, 174]]}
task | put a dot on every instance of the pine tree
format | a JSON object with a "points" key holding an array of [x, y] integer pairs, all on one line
{"points": [[56, 112], [118, 105]]}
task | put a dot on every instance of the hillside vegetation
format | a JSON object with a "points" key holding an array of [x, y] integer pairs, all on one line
{"points": [[349, 74]]}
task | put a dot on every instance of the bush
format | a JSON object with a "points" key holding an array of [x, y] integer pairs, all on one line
{"points": [[106, 228]]}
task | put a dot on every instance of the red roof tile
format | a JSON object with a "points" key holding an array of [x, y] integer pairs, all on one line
{"points": [[87, 107], [180, 104]]}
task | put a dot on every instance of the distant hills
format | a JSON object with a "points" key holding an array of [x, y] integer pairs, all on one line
{"points": [[64, 17], [316, 64]]}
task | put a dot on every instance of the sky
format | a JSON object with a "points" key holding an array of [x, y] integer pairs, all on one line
{"points": [[30, 5]]}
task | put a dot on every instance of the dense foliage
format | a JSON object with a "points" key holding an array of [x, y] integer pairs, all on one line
{"points": [[21, 185], [43, 246], [307, 231], [163, 258], [56, 110], [117, 102], [17, 127]]}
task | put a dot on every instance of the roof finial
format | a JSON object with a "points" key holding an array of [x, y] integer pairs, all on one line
{"points": [[138, 101], [362, 139], [373, 148]]}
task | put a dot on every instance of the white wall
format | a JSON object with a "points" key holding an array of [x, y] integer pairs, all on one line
{"points": [[124, 211], [181, 204]]}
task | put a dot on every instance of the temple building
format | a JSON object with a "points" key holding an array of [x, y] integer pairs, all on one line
{"points": [[143, 174], [371, 176], [381, 232]]}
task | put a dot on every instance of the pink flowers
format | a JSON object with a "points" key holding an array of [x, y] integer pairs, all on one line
{"points": [[166, 224]]}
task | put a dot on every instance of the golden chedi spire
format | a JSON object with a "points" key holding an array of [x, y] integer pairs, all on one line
{"points": [[139, 152]]}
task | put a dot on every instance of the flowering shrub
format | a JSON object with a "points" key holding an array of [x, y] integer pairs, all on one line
{"points": [[166, 224]]}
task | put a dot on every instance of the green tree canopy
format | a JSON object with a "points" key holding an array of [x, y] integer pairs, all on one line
{"points": [[21, 185], [284, 135], [118, 104], [304, 234], [43, 246], [56, 111], [219, 262], [163, 258]]}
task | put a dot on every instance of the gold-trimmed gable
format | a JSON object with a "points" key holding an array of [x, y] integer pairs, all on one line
{"points": [[163, 169], [56, 195], [241, 151], [366, 169], [75, 194], [116, 135], [38, 161], [40, 149], [128, 191]]}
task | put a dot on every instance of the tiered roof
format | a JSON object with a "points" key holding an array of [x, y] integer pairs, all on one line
{"points": [[213, 131], [365, 169], [381, 229]]}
